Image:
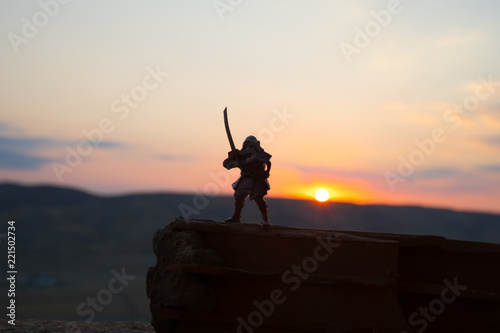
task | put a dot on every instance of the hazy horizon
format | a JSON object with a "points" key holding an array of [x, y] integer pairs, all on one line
{"points": [[229, 195]]}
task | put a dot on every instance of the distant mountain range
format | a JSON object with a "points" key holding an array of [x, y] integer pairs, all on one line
{"points": [[74, 239], [52, 218]]}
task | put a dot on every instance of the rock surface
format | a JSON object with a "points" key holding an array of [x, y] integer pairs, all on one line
{"points": [[237, 277]]}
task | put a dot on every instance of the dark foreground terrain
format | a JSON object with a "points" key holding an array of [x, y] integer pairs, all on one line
{"points": [[216, 277], [57, 326]]}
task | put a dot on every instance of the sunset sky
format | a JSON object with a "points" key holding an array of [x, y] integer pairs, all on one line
{"points": [[393, 102]]}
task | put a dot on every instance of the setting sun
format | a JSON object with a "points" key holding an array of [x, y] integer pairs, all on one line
{"points": [[321, 195]]}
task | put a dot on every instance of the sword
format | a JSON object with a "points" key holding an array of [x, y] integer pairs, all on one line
{"points": [[228, 132]]}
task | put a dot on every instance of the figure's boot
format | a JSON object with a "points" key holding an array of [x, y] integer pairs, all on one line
{"points": [[238, 207], [261, 203]]}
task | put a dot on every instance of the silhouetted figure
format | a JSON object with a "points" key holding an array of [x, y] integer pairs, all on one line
{"points": [[255, 165]]}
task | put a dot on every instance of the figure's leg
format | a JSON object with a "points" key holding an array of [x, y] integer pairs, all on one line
{"points": [[261, 203], [239, 203]]}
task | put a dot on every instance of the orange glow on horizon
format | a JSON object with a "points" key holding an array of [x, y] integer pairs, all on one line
{"points": [[343, 192], [291, 183]]}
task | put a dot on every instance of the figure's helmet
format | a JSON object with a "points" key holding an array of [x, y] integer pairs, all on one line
{"points": [[251, 141]]}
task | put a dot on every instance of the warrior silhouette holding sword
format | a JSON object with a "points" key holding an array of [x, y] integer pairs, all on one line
{"points": [[255, 165]]}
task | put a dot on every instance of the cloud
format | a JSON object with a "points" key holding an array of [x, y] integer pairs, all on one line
{"points": [[475, 184], [336, 172], [493, 141], [458, 182], [376, 175], [17, 143], [19, 152], [172, 157], [438, 172], [8, 129], [457, 39], [495, 108], [489, 168], [110, 145], [421, 113], [483, 178], [372, 178], [10, 159], [27, 143]]}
